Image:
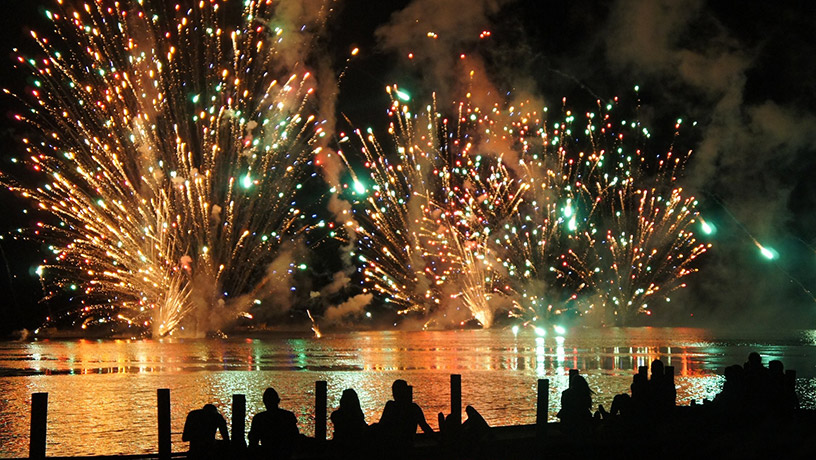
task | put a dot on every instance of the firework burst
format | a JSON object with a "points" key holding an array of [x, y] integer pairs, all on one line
{"points": [[421, 231], [500, 210], [168, 149], [604, 228]]}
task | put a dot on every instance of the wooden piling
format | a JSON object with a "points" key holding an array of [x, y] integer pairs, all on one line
{"points": [[321, 392], [572, 373], [163, 397], [39, 422], [542, 410], [456, 398], [238, 420]]}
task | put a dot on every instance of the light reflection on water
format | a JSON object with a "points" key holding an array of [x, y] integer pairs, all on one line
{"points": [[102, 394]]}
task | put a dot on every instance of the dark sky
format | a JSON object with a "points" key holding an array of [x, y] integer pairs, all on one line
{"points": [[744, 71]]}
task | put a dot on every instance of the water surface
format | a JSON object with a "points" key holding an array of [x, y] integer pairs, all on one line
{"points": [[102, 394]]}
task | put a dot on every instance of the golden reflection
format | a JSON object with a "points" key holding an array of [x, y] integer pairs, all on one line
{"points": [[541, 354], [211, 371], [560, 357]]}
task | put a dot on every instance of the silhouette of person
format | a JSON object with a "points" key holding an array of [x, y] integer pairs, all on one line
{"points": [[476, 437], [349, 426], [621, 407], [399, 421], [732, 397], [475, 423], [639, 402], [661, 392], [199, 430], [471, 439], [275, 429], [781, 391], [757, 380], [576, 406]]}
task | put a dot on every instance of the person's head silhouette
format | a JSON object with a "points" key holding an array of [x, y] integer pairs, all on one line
{"points": [[349, 400], [776, 367], [579, 383], [400, 390], [657, 368], [271, 398], [210, 408]]}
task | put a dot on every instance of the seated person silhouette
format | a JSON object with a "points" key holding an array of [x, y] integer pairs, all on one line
{"points": [[576, 406], [476, 438], [781, 389], [199, 430], [731, 399], [399, 421], [621, 407], [660, 390], [275, 429], [471, 439], [349, 426]]}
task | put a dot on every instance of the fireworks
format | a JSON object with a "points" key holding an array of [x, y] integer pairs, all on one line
{"points": [[168, 151], [423, 220], [499, 210], [402, 252], [605, 228]]}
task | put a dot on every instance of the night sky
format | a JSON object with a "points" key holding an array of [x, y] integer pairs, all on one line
{"points": [[744, 71]]}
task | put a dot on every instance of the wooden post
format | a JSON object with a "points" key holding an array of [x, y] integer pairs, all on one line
{"points": [[572, 373], [321, 392], [542, 410], [456, 399], [163, 396], [39, 422], [239, 420]]}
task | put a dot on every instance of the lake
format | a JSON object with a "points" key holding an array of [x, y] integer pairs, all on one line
{"points": [[102, 393]]}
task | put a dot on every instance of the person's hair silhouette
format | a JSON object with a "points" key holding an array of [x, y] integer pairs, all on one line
{"points": [[349, 426], [275, 428], [199, 430]]}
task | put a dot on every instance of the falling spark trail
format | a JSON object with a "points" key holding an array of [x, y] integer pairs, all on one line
{"points": [[767, 253]]}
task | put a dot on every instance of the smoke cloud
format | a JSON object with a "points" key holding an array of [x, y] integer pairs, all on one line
{"points": [[749, 146], [348, 310], [434, 36]]}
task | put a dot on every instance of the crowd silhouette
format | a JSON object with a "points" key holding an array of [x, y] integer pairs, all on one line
{"points": [[754, 400]]}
